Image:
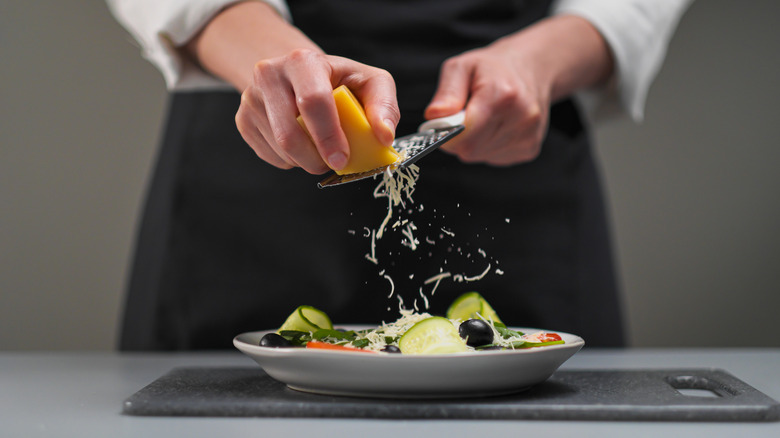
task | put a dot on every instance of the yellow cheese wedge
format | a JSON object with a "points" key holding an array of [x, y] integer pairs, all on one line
{"points": [[365, 151]]}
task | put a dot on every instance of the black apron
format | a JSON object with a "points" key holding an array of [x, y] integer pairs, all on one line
{"points": [[229, 244]]}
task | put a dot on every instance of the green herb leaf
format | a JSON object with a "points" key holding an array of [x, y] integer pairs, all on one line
{"points": [[335, 335], [360, 343], [507, 333], [297, 338]]}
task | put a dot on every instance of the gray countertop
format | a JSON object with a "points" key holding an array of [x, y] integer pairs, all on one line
{"points": [[64, 394]]}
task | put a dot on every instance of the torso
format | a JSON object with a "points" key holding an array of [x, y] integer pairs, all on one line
{"points": [[230, 244]]}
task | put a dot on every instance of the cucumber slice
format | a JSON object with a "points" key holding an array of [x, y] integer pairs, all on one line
{"points": [[434, 335], [306, 319], [468, 305]]}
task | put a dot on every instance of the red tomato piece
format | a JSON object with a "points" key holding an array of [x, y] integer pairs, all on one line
{"points": [[543, 337], [317, 345]]}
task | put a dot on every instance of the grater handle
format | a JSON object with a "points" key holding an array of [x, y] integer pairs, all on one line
{"points": [[443, 122]]}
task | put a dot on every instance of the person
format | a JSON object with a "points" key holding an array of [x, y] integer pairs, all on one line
{"points": [[230, 243]]}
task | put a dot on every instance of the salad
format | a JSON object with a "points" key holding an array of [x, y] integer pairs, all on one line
{"points": [[470, 324]]}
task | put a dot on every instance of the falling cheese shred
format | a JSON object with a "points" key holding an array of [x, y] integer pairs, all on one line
{"points": [[425, 299], [392, 285], [372, 257], [437, 279], [480, 276], [398, 186]]}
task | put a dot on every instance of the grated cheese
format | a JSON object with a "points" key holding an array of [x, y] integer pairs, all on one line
{"points": [[395, 186], [408, 232], [436, 278], [425, 299], [377, 338], [448, 232], [372, 257], [398, 186], [480, 276], [392, 285]]}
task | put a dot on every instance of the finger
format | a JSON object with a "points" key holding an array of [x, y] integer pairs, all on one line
{"points": [[480, 127], [313, 89], [518, 131], [453, 89], [290, 142], [498, 140], [519, 150], [520, 146], [500, 110], [377, 93], [263, 150], [285, 135], [250, 125]]}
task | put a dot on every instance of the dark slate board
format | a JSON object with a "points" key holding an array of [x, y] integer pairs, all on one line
{"points": [[601, 395]]}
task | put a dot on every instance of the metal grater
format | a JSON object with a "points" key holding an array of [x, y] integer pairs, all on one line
{"points": [[412, 147]]}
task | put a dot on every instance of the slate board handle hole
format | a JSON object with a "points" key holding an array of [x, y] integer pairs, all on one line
{"points": [[700, 387]]}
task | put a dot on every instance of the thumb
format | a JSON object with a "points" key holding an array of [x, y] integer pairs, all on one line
{"points": [[452, 92]]}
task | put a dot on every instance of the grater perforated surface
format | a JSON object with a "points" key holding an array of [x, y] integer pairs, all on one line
{"points": [[412, 147]]}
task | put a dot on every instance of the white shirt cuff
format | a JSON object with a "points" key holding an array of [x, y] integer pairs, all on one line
{"points": [[638, 33]]}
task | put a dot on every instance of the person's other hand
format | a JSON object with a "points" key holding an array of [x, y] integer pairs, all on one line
{"points": [[507, 88], [302, 82], [506, 103]]}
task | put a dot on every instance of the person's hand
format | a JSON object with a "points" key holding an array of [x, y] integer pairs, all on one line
{"points": [[293, 77], [302, 83], [507, 88], [507, 106]]}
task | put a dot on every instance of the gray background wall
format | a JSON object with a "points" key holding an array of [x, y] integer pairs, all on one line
{"points": [[694, 189]]}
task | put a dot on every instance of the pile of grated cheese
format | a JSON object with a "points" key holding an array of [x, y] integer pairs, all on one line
{"points": [[377, 338]]}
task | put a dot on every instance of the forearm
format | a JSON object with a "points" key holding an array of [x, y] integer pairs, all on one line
{"points": [[241, 35], [565, 51]]}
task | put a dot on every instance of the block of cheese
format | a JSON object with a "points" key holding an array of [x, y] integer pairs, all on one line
{"points": [[365, 150]]}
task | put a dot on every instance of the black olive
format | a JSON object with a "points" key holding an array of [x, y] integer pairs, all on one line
{"points": [[476, 332], [391, 349], [274, 341]]}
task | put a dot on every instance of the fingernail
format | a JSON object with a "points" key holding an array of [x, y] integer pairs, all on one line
{"points": [[389, 135], [337, 160]]}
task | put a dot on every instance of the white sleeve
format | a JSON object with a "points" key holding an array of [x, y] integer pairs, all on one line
{"points": [[638, 33], [162, 26]]}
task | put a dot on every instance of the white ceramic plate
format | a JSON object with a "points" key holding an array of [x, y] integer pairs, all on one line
{"points": [[409, 376]]}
